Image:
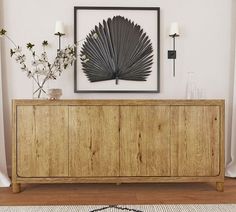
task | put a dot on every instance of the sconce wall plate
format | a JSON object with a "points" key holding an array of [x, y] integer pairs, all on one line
{"points": [[171, 54]]}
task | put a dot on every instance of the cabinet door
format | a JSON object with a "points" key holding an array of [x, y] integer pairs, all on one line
{"points": [[42, 141], [145, 141], [94, 141], [195, 140]]}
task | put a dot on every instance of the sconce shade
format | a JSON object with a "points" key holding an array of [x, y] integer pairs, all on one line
{"points": [[174, 29], [59, 28]]}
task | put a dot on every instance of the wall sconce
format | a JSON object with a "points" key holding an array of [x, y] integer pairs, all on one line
{"points": [[174, 32], [59, 31]]}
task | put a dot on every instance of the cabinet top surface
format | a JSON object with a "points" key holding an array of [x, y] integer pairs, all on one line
{"points": [[118, 102]]}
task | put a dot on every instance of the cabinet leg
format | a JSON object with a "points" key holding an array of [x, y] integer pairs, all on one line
{"points": [[220, 186], [15, 187]]}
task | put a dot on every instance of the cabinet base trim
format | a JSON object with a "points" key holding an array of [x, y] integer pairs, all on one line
{"points": [[120, 180]]}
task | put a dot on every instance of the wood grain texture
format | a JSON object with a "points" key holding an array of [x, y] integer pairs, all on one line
{"points": [[16, 187], [94, 141], [141, 179], [220, 186], [175, 131], [111, 194], [42, 141], [222, 141], [14, 143], [120, 102], [195, 140], [145, 141]]}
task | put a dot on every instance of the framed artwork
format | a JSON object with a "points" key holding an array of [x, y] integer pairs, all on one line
{"points": [[118, 49]]}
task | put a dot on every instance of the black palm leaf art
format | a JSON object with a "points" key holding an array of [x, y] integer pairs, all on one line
{"points": [[120, 50]]}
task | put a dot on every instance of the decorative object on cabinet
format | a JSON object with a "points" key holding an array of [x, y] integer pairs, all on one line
{"points": [[191, 86], [54, 93], [174, 32], [193, 90], [150, 141], [123, 56], [41, 70]]}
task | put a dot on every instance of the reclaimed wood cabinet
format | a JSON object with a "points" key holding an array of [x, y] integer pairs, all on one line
{"points": [[117, 141]]}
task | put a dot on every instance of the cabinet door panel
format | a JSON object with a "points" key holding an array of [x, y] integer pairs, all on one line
{"points": [[145, 141], [195, 140], [42, 141], [94, 141]]}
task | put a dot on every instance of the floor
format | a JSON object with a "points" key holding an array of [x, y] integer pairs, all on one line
{"points": [[109, 194]]}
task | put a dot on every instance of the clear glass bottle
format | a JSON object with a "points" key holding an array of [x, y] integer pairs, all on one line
{"points": [[191, 88]]}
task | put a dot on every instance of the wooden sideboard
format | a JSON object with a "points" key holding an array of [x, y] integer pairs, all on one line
{"points": [[117, 141]]}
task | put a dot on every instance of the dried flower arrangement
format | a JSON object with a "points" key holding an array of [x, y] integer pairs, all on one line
{"points": [[42, 69]]}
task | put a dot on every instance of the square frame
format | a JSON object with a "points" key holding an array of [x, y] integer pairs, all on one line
{"points": [[78, 73]]}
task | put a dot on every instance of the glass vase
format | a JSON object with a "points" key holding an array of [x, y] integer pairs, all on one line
{"points": [[39, 88], [191, 86]]}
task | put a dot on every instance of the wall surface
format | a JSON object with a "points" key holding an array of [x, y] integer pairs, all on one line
{"points": [[205, 47]]}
